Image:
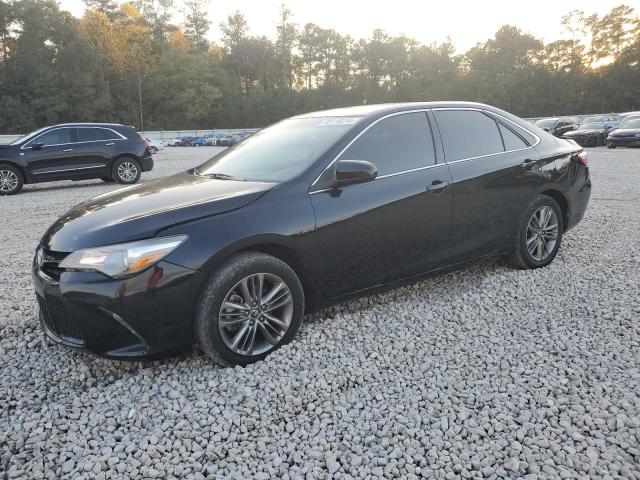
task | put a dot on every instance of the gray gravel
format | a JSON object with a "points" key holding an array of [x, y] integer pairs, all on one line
{"points": [[487, 372]]}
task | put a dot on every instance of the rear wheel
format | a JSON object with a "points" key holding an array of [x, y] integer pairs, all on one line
{"points": [[126, 171], [253, 305], [610, 145], [11, 180], [539, 234]]}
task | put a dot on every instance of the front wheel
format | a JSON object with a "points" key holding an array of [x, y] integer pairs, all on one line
{"points": [[126, 171], [610, 145], [11, 180], [251, 306], [153, 150], [539, 235]]}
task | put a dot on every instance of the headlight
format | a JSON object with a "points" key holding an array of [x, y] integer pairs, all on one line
{"points": [[124, 259]]}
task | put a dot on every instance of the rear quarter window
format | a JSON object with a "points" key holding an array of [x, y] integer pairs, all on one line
{"points": [[468, 134]]}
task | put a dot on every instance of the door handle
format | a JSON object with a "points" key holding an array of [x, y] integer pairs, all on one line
{"points": [[528, 163], [68, 150], [109, 144], [437, 186]]}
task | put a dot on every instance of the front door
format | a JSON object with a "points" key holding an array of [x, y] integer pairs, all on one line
{"points": [[394, 226], [52, 155]]}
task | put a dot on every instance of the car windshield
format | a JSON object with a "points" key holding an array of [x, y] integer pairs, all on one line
{"points": [[546, 123], [279, 152], [631, 123], [591, 126], [27, 137]]}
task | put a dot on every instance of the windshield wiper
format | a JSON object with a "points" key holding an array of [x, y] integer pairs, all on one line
{"points": [[223, 176]]}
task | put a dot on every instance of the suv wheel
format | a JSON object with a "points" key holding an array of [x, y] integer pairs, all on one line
{"points": [[126, 171], [251, 306], [539, 235], [11, 180]]}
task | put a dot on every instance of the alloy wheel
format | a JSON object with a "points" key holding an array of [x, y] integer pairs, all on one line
{"points": [[542, 233], [8, 181], [255, 314], [127, 171]]}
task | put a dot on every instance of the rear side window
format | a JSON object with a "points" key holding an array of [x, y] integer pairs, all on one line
{"points": [[59, 136], [467, 134], [95, 134], [395, 144], [511, 140]]}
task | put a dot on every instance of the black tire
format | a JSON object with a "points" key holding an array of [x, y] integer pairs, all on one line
{"points": [[107, 179], [521, 257], [238, 267], [11, 179], [126, 170], [153, 150], [610, 145]]}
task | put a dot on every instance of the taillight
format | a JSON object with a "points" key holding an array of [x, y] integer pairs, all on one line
{"points": [[583, 158], [144, 142]]}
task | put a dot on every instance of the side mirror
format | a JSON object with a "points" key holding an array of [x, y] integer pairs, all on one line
{"points": [[354, 171], [37, 145]]}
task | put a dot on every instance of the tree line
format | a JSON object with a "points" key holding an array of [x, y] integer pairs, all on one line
{"points": [[129, 63]]}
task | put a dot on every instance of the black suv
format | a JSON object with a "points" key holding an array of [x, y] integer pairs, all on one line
{"points": [[74, 151]]}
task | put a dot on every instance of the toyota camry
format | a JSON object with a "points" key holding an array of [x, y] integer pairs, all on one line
{"points": [[314, 209]]}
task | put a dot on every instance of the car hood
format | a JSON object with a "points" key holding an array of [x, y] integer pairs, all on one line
{"points": [[590, 131], [625, 132], [140, 211]]}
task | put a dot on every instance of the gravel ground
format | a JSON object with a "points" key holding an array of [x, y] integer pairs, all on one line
{"points": [[486, 372]]}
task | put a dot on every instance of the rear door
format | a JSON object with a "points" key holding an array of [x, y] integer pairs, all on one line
{"points": [[56, 158], [495, 176], [95, 149], [394, 226]]}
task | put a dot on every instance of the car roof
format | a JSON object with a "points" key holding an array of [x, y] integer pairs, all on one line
{"points": [[384, 108], [88, 124]]}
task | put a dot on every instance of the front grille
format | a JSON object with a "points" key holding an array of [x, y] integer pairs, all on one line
{"points": [[57, 319]]}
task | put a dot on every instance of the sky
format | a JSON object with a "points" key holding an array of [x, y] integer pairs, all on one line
{"points": [[465, 21]]}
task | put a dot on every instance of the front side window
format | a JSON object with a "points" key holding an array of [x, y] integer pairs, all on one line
{"points": [[58, 136], [468, 134], [395, 144], [279, 152]]}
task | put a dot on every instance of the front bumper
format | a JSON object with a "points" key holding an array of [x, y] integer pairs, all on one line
{"points": [[587, 140], [624, 141], [146, 316]]}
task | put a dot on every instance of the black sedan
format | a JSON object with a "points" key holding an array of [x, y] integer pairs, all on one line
{"points": [[309, 211], [557, 126], [592, 134], [627, 135]]}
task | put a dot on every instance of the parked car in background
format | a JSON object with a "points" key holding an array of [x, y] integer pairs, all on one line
{"points": [[590, 134], [309, 211], [226, 141], [627, 134], [154, 145], [192, 141], [74, 151], [621, 116], [557, 126], [609, 121], [212, 139], [175, 142]]}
